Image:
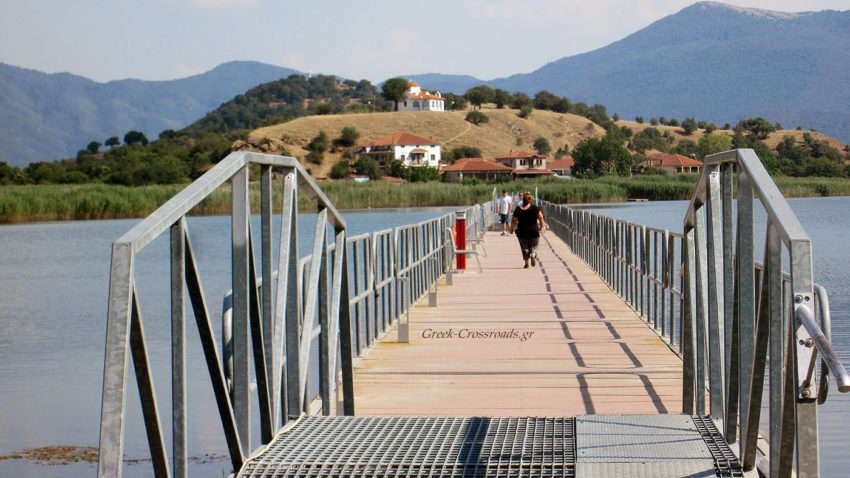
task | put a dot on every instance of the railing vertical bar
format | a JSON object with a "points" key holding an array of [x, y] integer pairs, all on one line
{"points": [[778, 345], [268, 285], [802, 394], [178, 350], [111, 446], [716, 307], [690, 388], [326, 367], [288, 303], [258, 346], [344, 319], [239, 242], [744, 311], [730, 325], [701, 324]]}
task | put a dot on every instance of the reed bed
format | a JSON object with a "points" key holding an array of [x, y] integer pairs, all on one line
{"points": [[100, 201]]}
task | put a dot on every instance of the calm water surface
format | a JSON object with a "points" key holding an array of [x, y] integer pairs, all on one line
{"points": [[53, 289], [827, 220], [53, 285]]}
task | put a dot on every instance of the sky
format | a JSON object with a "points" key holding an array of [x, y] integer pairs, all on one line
{"points": [[373, 39]]}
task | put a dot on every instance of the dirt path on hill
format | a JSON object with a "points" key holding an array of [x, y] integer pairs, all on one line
{"points": [[468, 127]]}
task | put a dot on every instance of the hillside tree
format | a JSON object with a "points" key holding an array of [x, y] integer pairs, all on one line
{"points": [[542, 146], [133, 137], [478, 95], [393, 90]]}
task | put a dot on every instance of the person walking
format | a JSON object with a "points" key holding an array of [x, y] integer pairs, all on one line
{"points": [[505, 203], [529, 224]]}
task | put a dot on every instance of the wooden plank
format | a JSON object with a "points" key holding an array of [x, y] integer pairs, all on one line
{"points": [[550, 340]]}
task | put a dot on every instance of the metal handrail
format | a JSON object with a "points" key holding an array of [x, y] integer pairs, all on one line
{"points": [[257, 329], [275, 315], [735, 320]]}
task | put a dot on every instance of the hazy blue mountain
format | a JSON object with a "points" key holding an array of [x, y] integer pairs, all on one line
{"points": [[714, 61], [45, 117]]}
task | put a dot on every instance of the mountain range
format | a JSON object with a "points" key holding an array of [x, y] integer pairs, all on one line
{"points": [[712, 61], [44, 117]]}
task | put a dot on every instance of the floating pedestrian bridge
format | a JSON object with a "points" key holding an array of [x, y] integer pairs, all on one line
{"points": [[629, 351]]}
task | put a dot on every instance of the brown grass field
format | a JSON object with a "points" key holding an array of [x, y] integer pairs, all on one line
{"points": [[503, 133]]}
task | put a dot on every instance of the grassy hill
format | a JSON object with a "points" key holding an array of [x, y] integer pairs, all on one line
{"points": [[504, 132], [772, 140]]}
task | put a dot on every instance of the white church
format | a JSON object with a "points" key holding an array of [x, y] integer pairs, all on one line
{"points": [[417, 99]]}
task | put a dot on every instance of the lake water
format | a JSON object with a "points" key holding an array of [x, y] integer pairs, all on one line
{"points": [[53, 290], [53, 285], [827, 220]]}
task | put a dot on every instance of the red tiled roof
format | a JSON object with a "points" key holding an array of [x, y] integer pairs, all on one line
{"points": [[426, 96], [412, 83], [563, 163], [532, 171], [519, 155], [392, 179], [660, 160], [419, 150], [400, 139], [476, 164]]}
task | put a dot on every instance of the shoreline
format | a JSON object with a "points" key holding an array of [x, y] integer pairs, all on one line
{"points": [[61, 203]]}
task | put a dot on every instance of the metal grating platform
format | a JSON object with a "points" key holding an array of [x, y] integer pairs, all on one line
{"points": [[419, 446], [609, 446]]}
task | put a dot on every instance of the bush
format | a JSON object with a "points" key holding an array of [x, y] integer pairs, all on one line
{"points": [[348, 137], [476, 117], [340, 170], [525, 111]]}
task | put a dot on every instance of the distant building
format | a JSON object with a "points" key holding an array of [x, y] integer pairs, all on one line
{"points": [[672, 163], [478, 168], [412, 150], [563, 166], [520, 160], [417, 99]]}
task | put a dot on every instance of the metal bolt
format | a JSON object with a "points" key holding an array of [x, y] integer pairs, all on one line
{"points": [[807, 393], [798, 298], [810, 342]]}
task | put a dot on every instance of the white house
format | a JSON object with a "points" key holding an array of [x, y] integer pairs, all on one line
{"points": [[417, 99], [412, 150]]}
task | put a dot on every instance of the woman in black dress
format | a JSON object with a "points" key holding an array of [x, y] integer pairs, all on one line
{"points": [[528, 224]]}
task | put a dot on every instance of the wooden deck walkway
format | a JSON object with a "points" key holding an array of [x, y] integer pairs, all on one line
{"points": [[573, 346]]}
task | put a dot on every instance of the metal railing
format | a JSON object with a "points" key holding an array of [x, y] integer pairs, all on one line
{"points": [[332, 308], [732, 321]]}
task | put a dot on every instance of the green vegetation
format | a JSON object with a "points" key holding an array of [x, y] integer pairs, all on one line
{"points": [[393, 90], [476, 117], [99, 201]]}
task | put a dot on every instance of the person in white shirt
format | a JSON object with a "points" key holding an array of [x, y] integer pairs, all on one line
{"points": [[505, 203]]}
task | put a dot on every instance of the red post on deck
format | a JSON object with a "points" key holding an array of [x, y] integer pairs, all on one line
{"points": [[460, 238]]}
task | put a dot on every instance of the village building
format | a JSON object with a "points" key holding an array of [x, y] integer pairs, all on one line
{"points": [[478, 168], [519, 160], [525, 165], [563, 166], [413, 151], [672, 163], [417, 99]]}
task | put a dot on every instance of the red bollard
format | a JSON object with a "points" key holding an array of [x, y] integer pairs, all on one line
{"points": [[460, 238]]}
